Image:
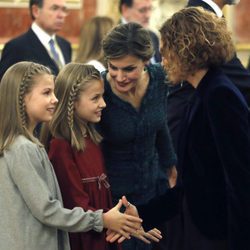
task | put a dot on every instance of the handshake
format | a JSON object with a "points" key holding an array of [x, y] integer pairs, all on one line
{"points": [[122, 226]]}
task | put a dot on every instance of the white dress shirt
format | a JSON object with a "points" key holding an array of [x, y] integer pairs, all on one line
{"points": [[45, 38], [215, 7]]}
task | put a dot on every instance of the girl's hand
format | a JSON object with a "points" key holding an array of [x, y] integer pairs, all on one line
{"points": [[120, 223]]}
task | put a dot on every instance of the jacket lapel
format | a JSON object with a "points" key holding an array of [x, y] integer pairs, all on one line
{"points": [[38, 49]]}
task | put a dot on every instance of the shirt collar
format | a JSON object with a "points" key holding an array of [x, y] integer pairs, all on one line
{"points": [[43, 36], [123, 20], [215, 7]]}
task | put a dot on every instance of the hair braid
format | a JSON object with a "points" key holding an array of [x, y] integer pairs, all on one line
{"points": [[70, 115], [22, 92], [33, 70]]}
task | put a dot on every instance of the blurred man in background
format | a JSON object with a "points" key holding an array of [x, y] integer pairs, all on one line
{"points": [[40, 43]]}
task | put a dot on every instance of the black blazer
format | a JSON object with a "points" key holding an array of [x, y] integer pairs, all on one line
{"points": [[28, 47], [213, 164], [155, 41], [179, 95]]}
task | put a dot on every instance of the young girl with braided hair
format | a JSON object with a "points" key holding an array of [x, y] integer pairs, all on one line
{"points": [[31, 211], [74, 150]]}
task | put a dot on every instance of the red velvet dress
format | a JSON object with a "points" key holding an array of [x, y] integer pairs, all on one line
{"points": [[81, 177]]}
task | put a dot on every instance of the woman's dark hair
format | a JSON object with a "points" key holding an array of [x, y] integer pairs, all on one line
{"points": [[128, 39]]}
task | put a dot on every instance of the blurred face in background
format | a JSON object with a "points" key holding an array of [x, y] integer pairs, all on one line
{"points": [[140, 12], [51, 16]]}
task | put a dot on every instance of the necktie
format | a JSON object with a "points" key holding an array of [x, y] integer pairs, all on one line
{"points": [[55, 55]]}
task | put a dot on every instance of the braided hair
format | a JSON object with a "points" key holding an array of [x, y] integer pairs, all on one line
{"points": [[71, 81], [16, 83]]}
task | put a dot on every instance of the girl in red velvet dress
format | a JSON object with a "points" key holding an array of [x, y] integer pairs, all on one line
{"points": [[74, 150], [76, 155]]}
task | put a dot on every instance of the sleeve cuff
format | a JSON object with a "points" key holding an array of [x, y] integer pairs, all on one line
{"points": [[98, 221]]}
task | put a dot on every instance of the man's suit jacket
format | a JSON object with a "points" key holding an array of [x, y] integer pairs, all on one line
{"points": [[179, 95], [213, 163], [156, 45], [28, 47]]}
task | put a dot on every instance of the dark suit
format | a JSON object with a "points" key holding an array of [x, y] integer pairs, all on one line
{"points": [[213, 164], [28, 47], [180, 94], [155, 41]]}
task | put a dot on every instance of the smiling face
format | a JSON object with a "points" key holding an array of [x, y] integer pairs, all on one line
{"points": [[90, 103], [40, 102], [51, 16], [125, 72]]}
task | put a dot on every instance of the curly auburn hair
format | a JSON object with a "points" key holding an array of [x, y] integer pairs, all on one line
{"points": [[194, 39]]}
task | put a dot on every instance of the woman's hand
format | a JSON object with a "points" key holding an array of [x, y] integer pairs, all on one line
{"points": [[152, 235], [172, 176], [146, 237]]}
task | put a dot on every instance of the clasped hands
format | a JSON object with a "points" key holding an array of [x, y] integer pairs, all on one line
{"points": [[147, 237]]}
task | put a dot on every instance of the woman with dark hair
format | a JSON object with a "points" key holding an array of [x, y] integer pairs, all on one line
{"points": [[137, 147]]}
